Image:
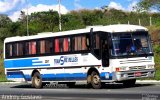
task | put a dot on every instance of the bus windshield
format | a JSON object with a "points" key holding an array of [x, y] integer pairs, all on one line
{"points": [[136, 43]]}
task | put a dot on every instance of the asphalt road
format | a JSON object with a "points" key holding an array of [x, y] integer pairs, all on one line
{"points": [[62, 92]]}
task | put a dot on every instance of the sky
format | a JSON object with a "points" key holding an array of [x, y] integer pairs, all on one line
{"points": [[12, 8]]}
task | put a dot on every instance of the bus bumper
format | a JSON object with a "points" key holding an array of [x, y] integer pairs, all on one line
{"points": [[126, 75]]}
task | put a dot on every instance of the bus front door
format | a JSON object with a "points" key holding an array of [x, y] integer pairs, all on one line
{"points": [[104, 52]]}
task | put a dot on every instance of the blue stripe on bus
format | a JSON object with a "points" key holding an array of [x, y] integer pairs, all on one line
{"points": [[103, 76], [18, 74], [21, 63], [57, 77]]}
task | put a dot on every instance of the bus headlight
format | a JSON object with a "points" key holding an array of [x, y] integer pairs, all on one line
{"points": [[150, 66], [125, 75], [123, 68]]}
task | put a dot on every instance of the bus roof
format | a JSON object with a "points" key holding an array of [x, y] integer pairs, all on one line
{"points": [[109, 28]]}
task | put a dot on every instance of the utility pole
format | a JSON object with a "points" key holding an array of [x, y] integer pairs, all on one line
{"points": [[27, 20], [150, 21], [139, 21], [60, 26]]}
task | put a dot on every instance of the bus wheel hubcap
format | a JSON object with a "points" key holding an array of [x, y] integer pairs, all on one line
{"points": [[96, 79], [37, 81]]}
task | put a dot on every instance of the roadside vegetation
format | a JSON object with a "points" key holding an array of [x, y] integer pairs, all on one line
{"points": [[2, 75], [48, 21]]}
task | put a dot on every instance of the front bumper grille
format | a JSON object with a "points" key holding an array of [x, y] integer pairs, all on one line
{"points": [[119, 76]]}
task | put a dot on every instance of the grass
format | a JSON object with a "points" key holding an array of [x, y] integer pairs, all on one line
{"points": [[3, 78], [157, 76], [2, 75]]}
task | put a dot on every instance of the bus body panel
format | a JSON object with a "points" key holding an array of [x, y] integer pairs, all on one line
{"points": [[73, 67]]}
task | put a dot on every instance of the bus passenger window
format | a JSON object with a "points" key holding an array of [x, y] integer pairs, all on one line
{"points": [[61, 44], [32, 48], [79, 42], [84, 42], [56, 45], [26, 48], [8, 50], [66, 45], [75, 43], [15, 49], [20, 49], [42, 46], [48, 46]]}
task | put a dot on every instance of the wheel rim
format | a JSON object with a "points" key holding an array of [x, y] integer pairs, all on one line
{"points": [[37, 81], [96, 79]]}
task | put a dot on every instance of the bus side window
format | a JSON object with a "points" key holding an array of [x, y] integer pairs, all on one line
{"points": [[56, 45], [75, 43], [61, 44], [42, 46], [20, 49], [80, 43], [8, 50], [33, 47], [66, 44], [27, 50], [48, 46], [15, 49], [96, 45], [84, 40], [96, 41]]}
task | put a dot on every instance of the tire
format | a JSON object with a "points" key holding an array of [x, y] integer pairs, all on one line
{"points": [[129, 83], [95, 81], [37, 80]]}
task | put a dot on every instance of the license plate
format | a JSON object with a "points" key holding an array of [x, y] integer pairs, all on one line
{"points": [[137, 74]]}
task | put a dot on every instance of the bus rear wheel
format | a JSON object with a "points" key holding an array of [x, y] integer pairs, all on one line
{"points": [[37, 80], [95, 81]]}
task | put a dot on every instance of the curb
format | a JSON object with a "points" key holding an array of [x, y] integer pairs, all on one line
{"points": [[148, 81], [10, 82]]}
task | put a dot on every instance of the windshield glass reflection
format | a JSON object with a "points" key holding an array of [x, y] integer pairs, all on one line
{"points": [[130, 44]]}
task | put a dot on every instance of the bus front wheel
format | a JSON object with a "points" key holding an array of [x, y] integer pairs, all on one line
{"points": [[37, 80], [95, 81]]}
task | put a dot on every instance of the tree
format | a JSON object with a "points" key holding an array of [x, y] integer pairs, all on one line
{"points": [[146, 5], [4, 21]]}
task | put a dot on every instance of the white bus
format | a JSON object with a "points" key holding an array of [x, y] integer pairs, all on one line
{"points": [[94, 56]]}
